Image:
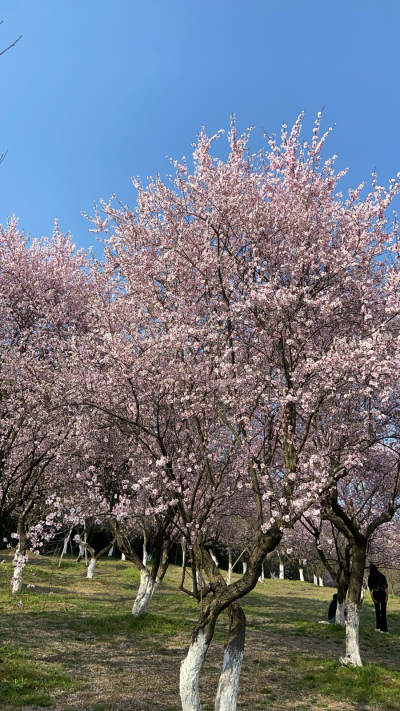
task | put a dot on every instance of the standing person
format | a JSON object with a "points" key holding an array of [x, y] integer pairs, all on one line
{"points": [[378, 588], [332, 610]]}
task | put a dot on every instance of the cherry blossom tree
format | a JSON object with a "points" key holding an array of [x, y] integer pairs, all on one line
{"points": [[358, 507], [42, 286], [245, 302]]}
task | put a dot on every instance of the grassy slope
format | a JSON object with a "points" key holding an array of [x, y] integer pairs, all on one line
{"points": [[78, 648]]}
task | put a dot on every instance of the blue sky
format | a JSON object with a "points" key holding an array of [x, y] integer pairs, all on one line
{"points": [[97, 91]]}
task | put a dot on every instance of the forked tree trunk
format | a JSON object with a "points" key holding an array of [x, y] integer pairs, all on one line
{"points": [[190, 672], [147, 588], [223, 597], [149, 579], [228, 686], [301, 573], [95, 557]]}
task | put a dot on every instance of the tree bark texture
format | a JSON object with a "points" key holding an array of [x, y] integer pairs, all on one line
{"points": [[228, 686], [190, 672], [147, 588]]}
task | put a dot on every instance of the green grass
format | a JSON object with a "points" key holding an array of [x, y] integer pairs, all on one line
{"points": [[24, 682], [372, 684], [79, 648]]}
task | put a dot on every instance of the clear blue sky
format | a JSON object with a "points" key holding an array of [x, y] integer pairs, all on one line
{"points": [[99, 90]]}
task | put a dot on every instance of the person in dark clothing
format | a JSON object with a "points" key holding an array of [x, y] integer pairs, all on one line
{"points": [[378, 587], [332, 610]]}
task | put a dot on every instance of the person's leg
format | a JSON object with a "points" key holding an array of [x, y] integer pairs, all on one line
{"points": [[383, 615], [378, 614]]}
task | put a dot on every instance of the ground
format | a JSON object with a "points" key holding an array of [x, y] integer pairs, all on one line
{"points": [[71, 644]]}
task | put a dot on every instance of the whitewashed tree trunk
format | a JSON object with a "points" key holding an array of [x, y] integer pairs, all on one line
{"points": [[340, 619], [229, 566], [281, 571], [147, 588], [65, 547], [145, 555], [183, 544], [315, 580], [262, 576], [18, 563], [301, 573], [321, 581], [228, 686], [123, 556], [352, 637], [111, 551], [91, 567], [81, 551], [244, 566], [213, 556], [198, 580], [190, 672]]}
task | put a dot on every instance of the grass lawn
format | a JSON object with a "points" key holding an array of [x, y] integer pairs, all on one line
{"points": [[71, 643]]}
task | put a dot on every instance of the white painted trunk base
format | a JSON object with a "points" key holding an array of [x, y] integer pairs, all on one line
{"points": [[315, 580], [147, 588], [189, 674], [281, 571], [321, 582], [215, 559], [16, 582], [123, 556], [111, 551], [91, 567], [301, 573], [65, 547], [262, 576], [244, 567], [198, 580], [352, 639], [340, 620], [229, 681], [229, 574]]}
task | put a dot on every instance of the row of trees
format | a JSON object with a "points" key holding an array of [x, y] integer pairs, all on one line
{"points": [[228, 373]]}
